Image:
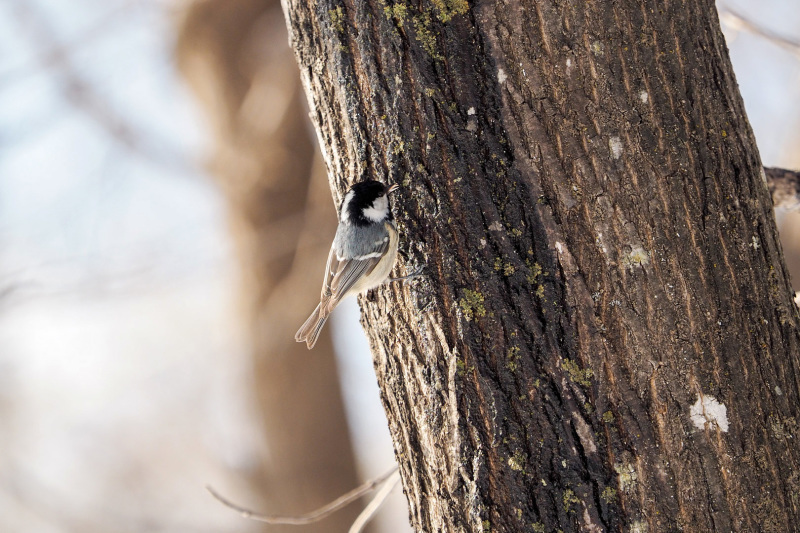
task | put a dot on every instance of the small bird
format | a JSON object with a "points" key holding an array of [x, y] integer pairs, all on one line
{"points": [[362, 255]]}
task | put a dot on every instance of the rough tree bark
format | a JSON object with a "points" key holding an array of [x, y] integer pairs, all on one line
{"points": [[235, 56], [604, 338]]}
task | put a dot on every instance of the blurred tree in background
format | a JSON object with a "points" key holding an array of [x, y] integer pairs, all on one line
{"points": [[235, 55]]}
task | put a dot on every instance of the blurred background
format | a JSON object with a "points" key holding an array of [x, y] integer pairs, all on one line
{"points": [[164, 223]]}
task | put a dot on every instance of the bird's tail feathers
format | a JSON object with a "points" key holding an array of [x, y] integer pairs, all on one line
{"points": [[311, 328]]}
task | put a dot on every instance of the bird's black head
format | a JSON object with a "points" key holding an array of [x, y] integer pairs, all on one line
{"points": [[366, 203]]}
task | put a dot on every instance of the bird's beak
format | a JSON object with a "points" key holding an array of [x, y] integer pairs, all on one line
{"points": [[393, 188]]}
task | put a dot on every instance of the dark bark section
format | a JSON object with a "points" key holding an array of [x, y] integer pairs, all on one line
{"points": [[581, 182], [235, 56]]}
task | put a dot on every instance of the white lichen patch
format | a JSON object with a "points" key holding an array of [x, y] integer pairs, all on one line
{"points": [[644, 97], [501, 75], [707, 410], [615, 145], [471, 111], [495, 226], [626, 475], [639, 527], [637, 257], [599, 242]]}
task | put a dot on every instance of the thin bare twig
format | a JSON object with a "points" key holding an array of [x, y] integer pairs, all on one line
{"points": [[369, 511], [46, 57], [55, 58], [738, 21], [313, 516]]}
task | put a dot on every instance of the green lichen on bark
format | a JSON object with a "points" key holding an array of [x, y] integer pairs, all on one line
{"points": [[609, 495], [472, 305], [447, 9], [513, 357], [577, 374], [506, 268], [517, 461], [569, 500], [337, 19], [425, 36], [397, 12]]}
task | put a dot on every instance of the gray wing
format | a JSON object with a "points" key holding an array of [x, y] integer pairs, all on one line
{"points": [[342, 274]]}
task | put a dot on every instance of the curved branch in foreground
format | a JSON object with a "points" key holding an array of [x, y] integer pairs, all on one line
{"points": [[313, 516], [375, 504], [784, 187], [739, 21]]}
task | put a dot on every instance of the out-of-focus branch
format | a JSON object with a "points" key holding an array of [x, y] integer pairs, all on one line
{"points": [[375, 504], [235, 57], [387, 479], [55, 57], [45, 57], [784, 186], [737, 21]]}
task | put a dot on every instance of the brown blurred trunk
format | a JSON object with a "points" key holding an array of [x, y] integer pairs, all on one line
{"points": [[605, 338], [235, 55]]}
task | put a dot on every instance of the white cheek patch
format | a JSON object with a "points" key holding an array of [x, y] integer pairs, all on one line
{"points": [[346, 203], [379, 209]]}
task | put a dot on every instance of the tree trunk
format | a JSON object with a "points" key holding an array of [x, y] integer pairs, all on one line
{"points": [[234, 54], [604, 338]]}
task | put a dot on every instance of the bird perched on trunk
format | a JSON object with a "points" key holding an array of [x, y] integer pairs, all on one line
{"points": [[362, 255]]}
